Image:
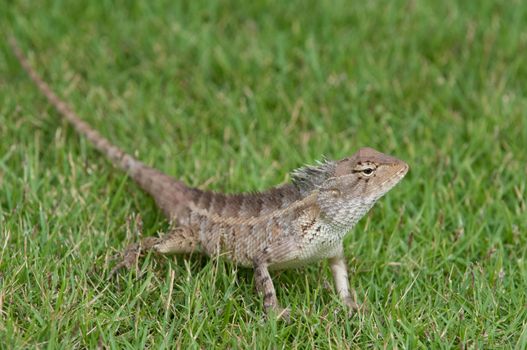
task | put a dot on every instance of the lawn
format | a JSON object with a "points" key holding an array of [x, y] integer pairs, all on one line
{"points": [[232, 96]]}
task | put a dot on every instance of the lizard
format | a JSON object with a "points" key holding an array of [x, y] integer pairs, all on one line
{"points": [[287, 226]]}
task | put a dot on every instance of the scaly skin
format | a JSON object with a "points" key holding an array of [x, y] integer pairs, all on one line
{"points": [[284, 227]]}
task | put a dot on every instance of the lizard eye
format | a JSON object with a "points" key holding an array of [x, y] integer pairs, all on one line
{"points": [[367, 171]]}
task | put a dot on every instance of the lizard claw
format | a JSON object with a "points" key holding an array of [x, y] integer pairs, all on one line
{"points": [[281, 314], [129, 259], [284, 314], [350, 303], [353, 306], [132, 253]]}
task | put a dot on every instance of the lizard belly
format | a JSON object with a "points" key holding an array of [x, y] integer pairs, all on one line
{"points": [[319, 243]]}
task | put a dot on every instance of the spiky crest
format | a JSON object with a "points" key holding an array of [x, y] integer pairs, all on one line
{"points": [[310, 177]]}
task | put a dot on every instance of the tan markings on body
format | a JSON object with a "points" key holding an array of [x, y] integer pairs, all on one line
{"points": [[275, 230], [311, 215], [233, 220]]}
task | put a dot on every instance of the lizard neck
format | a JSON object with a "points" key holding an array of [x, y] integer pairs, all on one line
{"points": [[341, 218]]}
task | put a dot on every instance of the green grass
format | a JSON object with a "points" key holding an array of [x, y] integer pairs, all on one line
{"points": [[233, 97]]}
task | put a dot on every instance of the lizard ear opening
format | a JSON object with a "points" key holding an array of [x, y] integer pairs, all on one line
{"points": [[310, 177]]}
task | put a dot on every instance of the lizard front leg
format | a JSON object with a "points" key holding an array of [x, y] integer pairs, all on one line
{"points": [[179, 240], [273, 253], [340, 275], [265, 286]]}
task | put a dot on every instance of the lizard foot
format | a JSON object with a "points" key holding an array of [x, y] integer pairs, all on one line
{"points": [[353, 306], [129, 259], [281, 314], [284, 314], [131, 255]]}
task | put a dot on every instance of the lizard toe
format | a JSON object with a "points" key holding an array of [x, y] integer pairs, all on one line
{"points": [[129, 259]]}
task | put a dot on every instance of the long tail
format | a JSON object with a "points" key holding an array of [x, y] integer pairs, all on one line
{"points": [[169, 193]]}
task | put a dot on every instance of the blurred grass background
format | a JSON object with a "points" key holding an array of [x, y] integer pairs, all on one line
{"points": [[231, 96]]}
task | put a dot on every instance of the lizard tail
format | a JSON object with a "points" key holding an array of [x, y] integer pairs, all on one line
{"points": [[168, 192]]}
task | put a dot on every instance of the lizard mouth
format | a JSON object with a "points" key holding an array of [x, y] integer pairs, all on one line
{"points": [[403, 171], [394, 180]]}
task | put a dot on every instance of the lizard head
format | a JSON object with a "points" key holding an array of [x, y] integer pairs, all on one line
{"points": [[349, 187], [367, 174]]}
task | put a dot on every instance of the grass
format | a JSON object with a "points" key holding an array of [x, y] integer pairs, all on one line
{"points": [[233, 96]]}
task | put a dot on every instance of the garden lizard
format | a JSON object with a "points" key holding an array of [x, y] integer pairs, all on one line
{"points": [[283, 227]]}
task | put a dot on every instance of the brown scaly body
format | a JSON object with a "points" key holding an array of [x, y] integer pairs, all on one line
{"points": [[283, 227]]}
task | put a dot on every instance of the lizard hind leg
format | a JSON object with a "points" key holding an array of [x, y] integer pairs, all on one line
{"points": [[179, 240]]}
